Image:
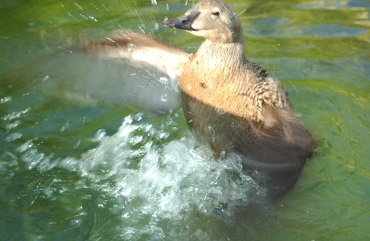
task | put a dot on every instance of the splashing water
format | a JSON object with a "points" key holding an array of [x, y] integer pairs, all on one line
{"points": [[152, 179], [154, 2], [164, 181]]}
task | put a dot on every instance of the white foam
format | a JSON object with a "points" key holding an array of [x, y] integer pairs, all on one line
{"points": [[166, 180]]}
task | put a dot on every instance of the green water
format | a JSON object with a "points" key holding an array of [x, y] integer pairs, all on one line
{"points": [[80, 161]]}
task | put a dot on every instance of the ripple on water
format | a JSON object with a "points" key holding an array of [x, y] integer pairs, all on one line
{"points": [[330, 4], [316, 30]]}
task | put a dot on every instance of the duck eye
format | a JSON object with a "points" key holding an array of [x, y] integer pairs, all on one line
{"points": [[216, 13]]}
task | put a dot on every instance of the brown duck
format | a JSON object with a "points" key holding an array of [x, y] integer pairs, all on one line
{"points": [[233, 105]]}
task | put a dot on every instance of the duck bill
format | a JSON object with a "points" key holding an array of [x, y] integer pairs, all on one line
{"points": [[184, 22]]}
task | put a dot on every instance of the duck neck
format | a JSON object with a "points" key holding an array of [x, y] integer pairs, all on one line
{"points": [[224, 55]]}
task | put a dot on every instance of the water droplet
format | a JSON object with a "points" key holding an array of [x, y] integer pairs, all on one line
{"points": [[94, 6], [135, 140], [78, 143], [163, 135], [5, 99], [76, 222], [219, 111], [99, 135], [78, 6], [83, 16], [142, 28], [92, 18], [16, 115], [110, 40], [46, 78], [13, 125], [14, 136], [156, 26], [163, 80], [128, 120], [164, 97], [138, 116], [130, 47], [64, 127], [24, 147]]}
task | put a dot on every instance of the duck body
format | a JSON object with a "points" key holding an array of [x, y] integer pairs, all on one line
{"points": [[231, 104], [211, 93]]}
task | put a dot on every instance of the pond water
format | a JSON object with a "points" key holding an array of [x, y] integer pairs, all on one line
{"points": [[92, 149]]}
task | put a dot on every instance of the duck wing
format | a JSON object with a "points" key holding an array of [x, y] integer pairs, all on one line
{"points": [[140, 51]]}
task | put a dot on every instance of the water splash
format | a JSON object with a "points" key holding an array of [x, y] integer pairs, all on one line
{"points": [[163, 80], [152, 179], [16, 115], [5, 99], [164, 97], [154, 2], [165, 180]]}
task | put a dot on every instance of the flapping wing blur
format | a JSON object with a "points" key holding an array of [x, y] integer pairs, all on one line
{"points": [[140, 51]]}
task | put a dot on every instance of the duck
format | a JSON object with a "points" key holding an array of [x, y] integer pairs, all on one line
{"points": [[234, 106]]}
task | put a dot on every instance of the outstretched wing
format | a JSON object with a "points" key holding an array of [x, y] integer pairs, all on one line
{"points": [[141, 51]]}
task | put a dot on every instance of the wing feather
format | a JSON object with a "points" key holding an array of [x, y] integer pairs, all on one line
{"points": [[141, 51]]}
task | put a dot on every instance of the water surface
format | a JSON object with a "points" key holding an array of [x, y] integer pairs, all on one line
{"points": [[92, 149]]}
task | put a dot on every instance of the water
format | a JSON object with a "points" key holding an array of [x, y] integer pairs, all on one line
{"points": [[92, 149]]}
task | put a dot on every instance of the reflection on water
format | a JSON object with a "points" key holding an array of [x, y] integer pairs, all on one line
{"points": [[95, 150]]}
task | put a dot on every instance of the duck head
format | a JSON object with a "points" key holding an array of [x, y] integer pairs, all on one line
{"points": [[211, 19]]}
